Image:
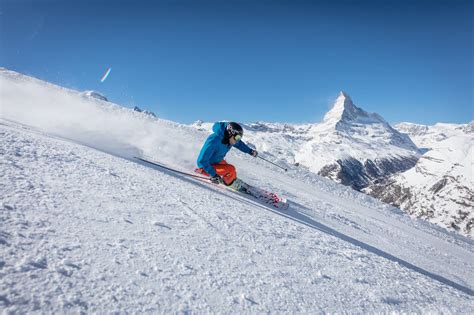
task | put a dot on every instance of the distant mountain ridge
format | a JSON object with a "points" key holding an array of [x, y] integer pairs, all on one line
{"points": [[144, 111]]}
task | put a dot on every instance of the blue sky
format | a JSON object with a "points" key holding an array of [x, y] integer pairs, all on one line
{"points": [[247, 61]]}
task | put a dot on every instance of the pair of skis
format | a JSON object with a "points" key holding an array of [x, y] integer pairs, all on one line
{"points": [[263, 196]]}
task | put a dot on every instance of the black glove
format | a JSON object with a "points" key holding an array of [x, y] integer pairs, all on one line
{"points": [[254, 153], [216, 179]]}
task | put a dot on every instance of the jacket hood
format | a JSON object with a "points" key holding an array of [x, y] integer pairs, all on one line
{"points": [[219, 128]]}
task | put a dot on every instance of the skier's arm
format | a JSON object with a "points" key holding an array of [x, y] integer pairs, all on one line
{"points": [[204, 157], [243, 147]]}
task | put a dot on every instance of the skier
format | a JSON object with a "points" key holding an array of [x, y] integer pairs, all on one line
{"points": [[211, 159]]}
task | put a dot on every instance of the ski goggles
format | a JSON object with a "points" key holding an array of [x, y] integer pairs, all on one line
{"points": [[237, 137]]}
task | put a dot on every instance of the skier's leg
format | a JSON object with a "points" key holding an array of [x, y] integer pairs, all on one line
{"points": [[201, 171], [227, 171]]}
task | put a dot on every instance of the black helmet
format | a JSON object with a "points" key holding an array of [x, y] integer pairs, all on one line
{"points": [[234, 129]]}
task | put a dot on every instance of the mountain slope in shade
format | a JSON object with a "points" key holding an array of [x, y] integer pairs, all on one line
{"points": [[440, 186]]}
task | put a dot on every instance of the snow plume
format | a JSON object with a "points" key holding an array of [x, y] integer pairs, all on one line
{"points": [[95, 123]]}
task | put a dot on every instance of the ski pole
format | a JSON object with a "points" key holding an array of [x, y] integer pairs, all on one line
{"points": [[272, 163]]}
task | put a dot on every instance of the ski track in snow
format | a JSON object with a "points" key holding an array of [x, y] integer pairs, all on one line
{"points": [[83, 230]]}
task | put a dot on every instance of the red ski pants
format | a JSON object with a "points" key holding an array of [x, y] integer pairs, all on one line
{"points": [[227, 171]]}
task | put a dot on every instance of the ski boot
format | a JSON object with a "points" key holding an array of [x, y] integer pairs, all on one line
{"points": [[239, 185]]}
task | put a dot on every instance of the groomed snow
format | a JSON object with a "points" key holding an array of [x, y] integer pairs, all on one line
{"points": [[84, 227]]}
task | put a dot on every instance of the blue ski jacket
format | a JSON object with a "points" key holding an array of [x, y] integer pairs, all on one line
{"points": [[213, 151]]}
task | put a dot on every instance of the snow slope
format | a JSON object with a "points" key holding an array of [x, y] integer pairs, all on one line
{"points": [[440, 187], [84, 227]]}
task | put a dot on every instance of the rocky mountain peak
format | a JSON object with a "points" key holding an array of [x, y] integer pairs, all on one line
{"points": [[347, 120], [342, 109]]}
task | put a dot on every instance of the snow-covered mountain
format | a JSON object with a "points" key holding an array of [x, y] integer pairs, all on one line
{"points": [[85, 228], [440, 186], [356, 148], [350, 146], [428, 137]]}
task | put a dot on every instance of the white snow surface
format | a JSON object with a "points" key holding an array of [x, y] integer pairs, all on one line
{"points": [[86, 228]]}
